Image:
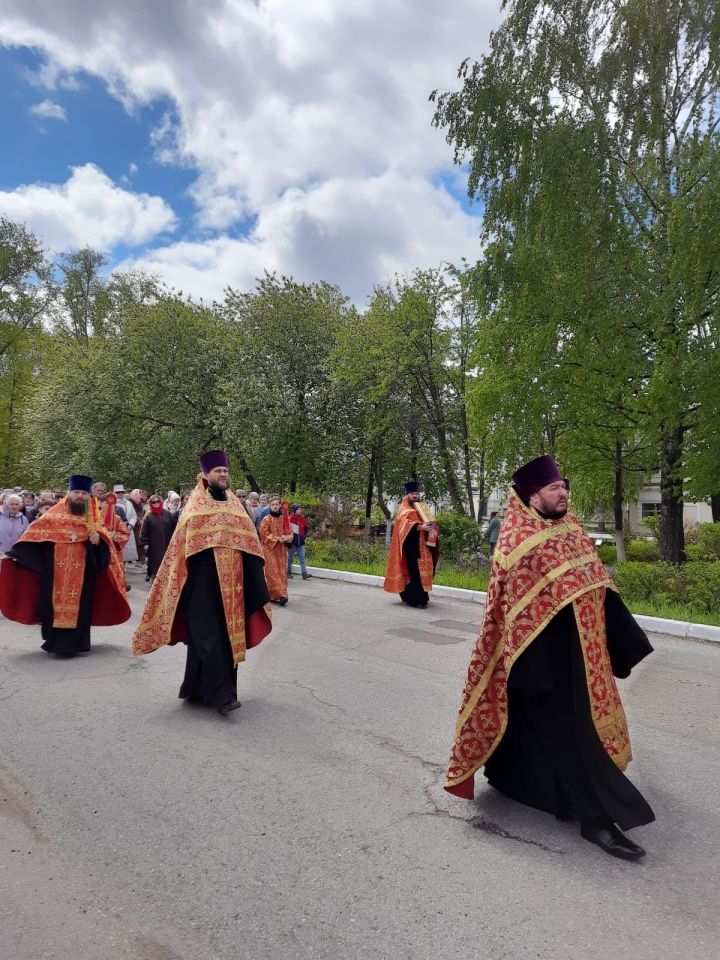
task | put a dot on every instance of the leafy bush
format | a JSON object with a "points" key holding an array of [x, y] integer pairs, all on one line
{"points": [[696, 585], [608, 553], [708, 540], [702, 588], [646, 551], [460, 536], [693, 551], [647, 581], [346, 551]]}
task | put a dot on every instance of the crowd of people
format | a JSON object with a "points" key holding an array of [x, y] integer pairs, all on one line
{"points": [[540, 710], [143, 523]]}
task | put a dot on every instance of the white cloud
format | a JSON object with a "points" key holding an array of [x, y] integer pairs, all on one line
{"points": [[49, 110], [279, 106], [87, 210], [351, 232]]}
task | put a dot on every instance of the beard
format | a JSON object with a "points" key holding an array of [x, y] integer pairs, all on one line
{"points": [[551, 513], [77, 508]]}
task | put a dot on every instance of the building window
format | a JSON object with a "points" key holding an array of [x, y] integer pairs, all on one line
{"points": [[649, 510]]}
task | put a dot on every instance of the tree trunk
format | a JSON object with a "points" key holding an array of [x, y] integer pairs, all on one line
{"points": [[715, 504], [618, 504], [369, 497], [672, 534], [468, 479], [601, 518], [450, 478], [482, 499], [252, 482]]}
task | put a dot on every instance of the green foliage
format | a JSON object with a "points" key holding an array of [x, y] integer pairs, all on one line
{"points": [[459, 536], [591, 136], [608, 554], [696, 585], [654, 582], [645, 551], [372, 558], [708, 541]]}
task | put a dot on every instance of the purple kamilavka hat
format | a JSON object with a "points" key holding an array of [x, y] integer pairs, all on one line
{"points": [[212, 459], [536, 475]]}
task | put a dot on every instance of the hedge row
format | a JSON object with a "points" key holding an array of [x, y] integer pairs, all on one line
{"points": [[695, 585]]}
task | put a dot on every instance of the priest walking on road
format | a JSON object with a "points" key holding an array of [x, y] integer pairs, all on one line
{"points": [[413, 552], [540, 708], [65, 574], [210, 590]]}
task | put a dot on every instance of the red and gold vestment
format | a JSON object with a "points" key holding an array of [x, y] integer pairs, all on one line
{"points": [[204, 524], [271, 529], [20, 588], [397, 575], [539, 567]]}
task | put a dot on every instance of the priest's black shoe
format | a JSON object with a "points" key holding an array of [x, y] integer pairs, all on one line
{"points": [[612, 840], [228, 707]]}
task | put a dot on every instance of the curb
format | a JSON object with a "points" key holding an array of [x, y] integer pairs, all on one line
{"points": [[673, 628]]}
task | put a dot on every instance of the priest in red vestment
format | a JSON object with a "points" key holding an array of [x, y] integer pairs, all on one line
{"points": [[64, 574], [210, 590], [413, 552]]}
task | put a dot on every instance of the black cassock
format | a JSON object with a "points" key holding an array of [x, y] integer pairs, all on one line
{"points": [[156, 533], [413, 594], [210, 674], [40, 558], [550, 756]]}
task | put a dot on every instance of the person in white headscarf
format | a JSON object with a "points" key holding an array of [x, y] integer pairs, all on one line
{"points": [[172, 502]]}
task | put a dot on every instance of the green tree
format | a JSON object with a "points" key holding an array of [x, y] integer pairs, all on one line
{"points": [[280, 398], [629, 91]]}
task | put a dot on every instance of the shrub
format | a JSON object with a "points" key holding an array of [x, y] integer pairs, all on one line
{"points": [[646, 551], [702, 588], [641, 582], [708, 540], [460, 536], [608, 553]]}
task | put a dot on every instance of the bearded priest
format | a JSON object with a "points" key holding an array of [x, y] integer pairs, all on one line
{"points": [[65, 574], [414, 551], [540, 708], [210, 590]]}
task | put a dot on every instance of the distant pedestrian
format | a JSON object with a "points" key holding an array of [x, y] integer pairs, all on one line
{"points": [[157, 530], [298, 526], [123, 501], [13, 522], [493, 530], [172, 502]]}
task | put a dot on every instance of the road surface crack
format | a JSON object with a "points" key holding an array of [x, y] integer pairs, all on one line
{"points": [[308, 689], [479, 823]]}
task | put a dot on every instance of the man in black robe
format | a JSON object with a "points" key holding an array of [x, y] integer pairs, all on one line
{"points": [[413, 553], [52, 573], [210, 590], [550, 755]]}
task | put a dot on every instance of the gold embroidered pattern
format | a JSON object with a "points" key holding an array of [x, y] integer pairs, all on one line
{"points": [[224, 527], [528, 587]]}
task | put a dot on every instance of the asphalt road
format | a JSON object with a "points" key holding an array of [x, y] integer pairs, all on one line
{"points": [[312, 822]]}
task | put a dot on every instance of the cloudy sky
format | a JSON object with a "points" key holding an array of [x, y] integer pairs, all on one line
{"points": [[207, 141]]}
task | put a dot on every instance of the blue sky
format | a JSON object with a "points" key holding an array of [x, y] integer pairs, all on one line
{"points": [[207, 143]]}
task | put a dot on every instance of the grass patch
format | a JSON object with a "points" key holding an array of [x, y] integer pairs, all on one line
{"points": [[674, 611], [690, 592]]}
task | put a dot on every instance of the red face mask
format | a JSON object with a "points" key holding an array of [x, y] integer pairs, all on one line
{"points": [[156, 507]]}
